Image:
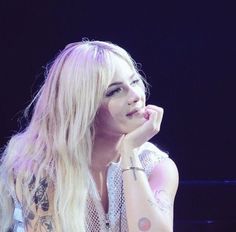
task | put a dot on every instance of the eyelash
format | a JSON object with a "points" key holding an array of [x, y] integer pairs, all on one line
{"points": [[109, 94], [117, 90], [136, 81]]}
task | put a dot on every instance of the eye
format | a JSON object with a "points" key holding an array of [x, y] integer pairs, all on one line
{"points": [[112, 92], [134, 82]]}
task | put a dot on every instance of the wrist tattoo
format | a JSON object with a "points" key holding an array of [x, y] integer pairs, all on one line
{"points": [[132, 164], [144, 224]]}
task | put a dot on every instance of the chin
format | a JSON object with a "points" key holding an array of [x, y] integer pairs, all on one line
{"points": [[134, 125]]}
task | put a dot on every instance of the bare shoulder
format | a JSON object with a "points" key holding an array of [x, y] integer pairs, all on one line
{"points": [[165, 175], [152, 150]]}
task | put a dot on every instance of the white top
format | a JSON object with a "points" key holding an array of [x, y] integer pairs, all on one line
{"points": [[115, 220]]}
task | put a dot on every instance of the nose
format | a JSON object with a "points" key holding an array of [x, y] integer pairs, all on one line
{"points": [[133, 96]]}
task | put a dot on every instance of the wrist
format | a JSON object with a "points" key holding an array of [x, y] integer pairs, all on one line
{"points": [[130, 160], [132, 168]]}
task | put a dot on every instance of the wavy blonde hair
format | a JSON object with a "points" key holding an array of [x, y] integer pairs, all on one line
{"points": [[58, 140]]}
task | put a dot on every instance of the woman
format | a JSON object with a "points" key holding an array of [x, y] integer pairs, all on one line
{"points": [[83, 163]]}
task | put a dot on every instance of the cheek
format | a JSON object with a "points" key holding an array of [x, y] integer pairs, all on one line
{"points": [[115, 110], [110, 114], [103, 116], [143, 95]]}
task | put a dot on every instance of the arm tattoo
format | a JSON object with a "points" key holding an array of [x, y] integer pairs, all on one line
{"points": [[40, 198], [144, 224], [40, 201], [45, 224], [28, 216], [163, 201]]}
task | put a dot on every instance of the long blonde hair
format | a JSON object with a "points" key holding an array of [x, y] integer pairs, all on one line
{"points": [[58, 140]]}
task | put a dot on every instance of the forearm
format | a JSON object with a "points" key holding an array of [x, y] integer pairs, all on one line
{"points": [[144, 212]]}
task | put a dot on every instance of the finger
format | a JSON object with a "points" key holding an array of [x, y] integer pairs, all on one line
{"points": [[152, 106], [155, 119], [156, 108], [147, 130]]}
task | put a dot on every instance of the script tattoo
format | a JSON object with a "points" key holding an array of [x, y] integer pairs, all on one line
{"points": [[144, 224]]}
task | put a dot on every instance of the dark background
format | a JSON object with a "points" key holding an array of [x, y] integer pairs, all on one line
{"points": [[187, 51]]}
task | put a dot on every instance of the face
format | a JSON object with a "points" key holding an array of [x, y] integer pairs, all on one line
{"points": [[123, 106]]}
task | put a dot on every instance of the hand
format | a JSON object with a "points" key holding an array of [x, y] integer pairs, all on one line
{"points": [[147, 130]]}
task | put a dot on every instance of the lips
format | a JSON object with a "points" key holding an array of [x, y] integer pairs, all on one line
{"points": [[136, 110], [131, 113]]}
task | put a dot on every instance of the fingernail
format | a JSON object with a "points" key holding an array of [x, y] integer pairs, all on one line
{"points": [[146, 115]]}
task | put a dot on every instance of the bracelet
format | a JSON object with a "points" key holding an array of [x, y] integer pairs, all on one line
{"points": [[133, 168]]}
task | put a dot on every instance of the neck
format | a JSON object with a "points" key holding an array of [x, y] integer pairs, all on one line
{"points": [[105, 151]]}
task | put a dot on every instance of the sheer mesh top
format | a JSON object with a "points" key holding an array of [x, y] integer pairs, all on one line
{"points": [[115, 220]]}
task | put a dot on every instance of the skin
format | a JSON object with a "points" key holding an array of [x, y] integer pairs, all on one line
{"points": [[118, 134], [144, 224], [112, 122], [126, 87], [40, 216]]}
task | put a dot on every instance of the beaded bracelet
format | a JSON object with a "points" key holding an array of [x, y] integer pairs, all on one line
{"points": [[133, 168]]}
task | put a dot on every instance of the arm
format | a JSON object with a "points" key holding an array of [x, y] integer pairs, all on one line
{"points": [[149, 202], [39, 215]]}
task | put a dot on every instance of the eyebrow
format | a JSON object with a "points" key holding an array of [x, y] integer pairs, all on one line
{"points": [[120, 82]]}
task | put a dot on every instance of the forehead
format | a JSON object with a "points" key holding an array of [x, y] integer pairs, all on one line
{"points": [[123, 70]]}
